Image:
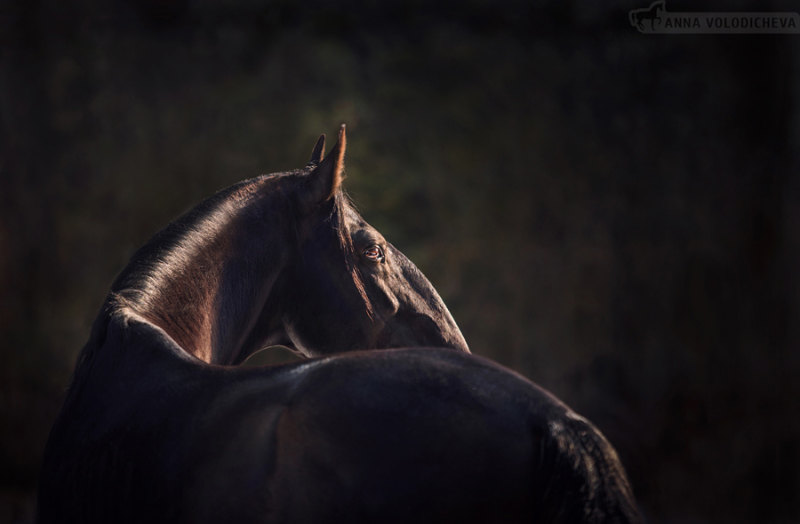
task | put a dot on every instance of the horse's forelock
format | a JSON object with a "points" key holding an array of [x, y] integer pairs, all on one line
{"points": [[341, 206]]}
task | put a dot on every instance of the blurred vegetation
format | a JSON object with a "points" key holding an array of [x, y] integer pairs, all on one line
{"points": [[614, 215]]}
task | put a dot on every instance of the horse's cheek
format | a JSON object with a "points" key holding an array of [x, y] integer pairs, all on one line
{"points": [[385, 301]]}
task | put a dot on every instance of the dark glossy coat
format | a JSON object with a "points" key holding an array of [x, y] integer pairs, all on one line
{"points": [[159, 425]]}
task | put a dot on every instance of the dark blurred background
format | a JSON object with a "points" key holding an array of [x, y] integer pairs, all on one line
{"points": [[614, 215]]}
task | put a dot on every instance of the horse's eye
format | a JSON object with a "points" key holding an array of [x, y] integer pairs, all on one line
{"points": [[374, 254]]}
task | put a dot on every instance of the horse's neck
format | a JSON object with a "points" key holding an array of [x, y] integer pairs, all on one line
{"points": [[206, 278]]}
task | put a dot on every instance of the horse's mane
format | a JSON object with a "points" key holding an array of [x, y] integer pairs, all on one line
{"points": [[340, 204]]}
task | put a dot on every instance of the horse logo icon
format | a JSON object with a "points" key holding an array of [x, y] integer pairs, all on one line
{"points": [[653, 13]]}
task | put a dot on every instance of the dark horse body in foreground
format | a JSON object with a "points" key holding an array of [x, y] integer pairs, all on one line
{"points": [[159, 424]]}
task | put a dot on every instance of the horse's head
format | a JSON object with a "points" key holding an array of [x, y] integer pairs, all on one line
{"points": [[346, 287], [282, 259]]}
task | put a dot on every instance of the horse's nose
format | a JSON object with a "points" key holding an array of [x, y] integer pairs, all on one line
{"points": [[459, 342], [417, 329], [456, 340]]}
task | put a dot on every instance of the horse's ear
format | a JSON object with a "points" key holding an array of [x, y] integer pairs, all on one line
{"points": [[319, 151], [326, 178]]}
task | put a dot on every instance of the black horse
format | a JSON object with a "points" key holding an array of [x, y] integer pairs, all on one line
{"points": [[159, 425]]}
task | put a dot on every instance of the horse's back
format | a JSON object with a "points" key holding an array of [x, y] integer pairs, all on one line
{"points": [[400, 436], [384, 436], [437, 436]]}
